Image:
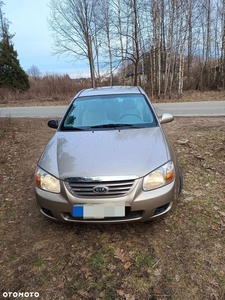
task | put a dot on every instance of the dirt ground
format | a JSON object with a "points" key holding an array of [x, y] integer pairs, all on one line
{"points": [[178, 257]]}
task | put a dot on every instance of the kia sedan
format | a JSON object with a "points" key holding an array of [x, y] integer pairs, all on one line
{"points": [[108, 161]]}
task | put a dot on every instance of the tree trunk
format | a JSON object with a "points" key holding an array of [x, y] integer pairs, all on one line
{"points": [[91, 62]]}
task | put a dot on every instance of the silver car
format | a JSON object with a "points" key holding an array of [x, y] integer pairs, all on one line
{"points": [[108, 161]]}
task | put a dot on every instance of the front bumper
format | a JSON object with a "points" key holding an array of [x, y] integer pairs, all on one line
{"points": [[140, 205]]}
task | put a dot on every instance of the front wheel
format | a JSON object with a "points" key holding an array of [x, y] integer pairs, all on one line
{"points": [[181, 181]]}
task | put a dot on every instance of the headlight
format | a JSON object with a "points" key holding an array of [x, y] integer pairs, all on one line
{"points": [[47, 182], [160, 177]]}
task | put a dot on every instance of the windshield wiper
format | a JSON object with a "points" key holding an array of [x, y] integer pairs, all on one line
{"points": [[71, 128], [112, 125]]}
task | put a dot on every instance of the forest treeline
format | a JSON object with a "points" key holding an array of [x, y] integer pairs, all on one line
{"points": [[164, 45]]}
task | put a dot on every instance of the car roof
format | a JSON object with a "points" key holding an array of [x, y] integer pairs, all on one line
{"points": [[110, 90]]}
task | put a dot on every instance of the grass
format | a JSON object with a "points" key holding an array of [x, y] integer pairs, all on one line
{"points": [[143, 260], [97, 260], [59, 90], [39, 263]]}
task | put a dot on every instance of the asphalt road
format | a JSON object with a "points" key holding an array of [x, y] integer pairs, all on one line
{"points": [[208, 108]]}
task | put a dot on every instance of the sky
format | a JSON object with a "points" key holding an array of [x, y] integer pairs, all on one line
{"points": [[33, 39]]}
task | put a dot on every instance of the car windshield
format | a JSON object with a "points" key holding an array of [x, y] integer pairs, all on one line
{"points": [[109, 111]]}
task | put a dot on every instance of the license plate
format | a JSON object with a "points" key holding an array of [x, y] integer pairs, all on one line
{"points": [[99, 211]]}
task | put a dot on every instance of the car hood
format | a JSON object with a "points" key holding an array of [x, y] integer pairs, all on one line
{"points": [[127, 152]]}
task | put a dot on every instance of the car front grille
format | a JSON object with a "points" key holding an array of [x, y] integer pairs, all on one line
{"points": [[98, 189]]}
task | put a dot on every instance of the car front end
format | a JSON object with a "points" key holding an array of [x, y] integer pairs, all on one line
{"points": [[97, 194], [108, 171]]}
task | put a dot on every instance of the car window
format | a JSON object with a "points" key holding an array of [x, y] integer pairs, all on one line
{"points": [[93, 111]]}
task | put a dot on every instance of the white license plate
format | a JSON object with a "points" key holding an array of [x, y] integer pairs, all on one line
{"points": [[99, 211]]}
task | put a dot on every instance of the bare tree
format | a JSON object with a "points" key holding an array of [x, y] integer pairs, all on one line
{"points": [[121, 23], [156, 49], [171, 42], [119, 18], [106, 21], [135, 53], [73, 27], [183, 29], [223, 43], [190, 26], [34, 71], [168, 59]]}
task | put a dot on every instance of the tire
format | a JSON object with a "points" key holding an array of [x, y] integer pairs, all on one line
{"points": [[181, 181]]}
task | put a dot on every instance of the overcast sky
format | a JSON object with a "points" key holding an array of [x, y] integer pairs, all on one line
{"points": [[33, 40]]}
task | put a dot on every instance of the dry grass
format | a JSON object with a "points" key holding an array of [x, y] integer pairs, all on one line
{"points": [[59, 90], [178, 257], [49, 90]]}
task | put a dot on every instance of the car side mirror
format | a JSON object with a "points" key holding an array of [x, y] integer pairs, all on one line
{"points": [[53, 123], [166, 118]]}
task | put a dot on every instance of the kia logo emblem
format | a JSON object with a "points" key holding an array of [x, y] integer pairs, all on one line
{"points": [[100, 189]]}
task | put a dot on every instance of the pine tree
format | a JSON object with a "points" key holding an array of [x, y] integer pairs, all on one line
{"points": [[11, 73]]}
